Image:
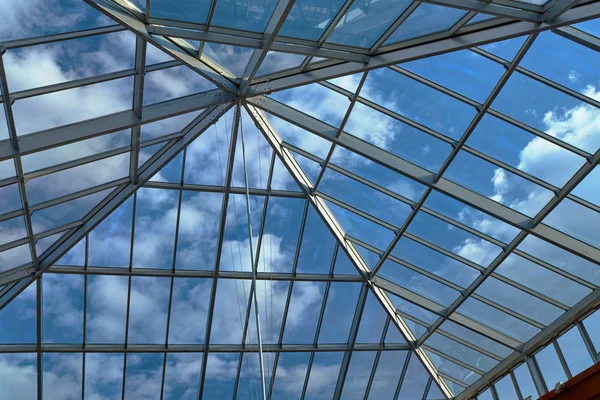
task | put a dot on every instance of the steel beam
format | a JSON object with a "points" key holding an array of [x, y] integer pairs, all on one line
{"points": [[88, 129], [320, 206], [490, 8], [464, 41], [138, 27]]}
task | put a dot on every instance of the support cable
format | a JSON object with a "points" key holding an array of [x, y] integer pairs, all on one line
{"points": [[256, 314]]}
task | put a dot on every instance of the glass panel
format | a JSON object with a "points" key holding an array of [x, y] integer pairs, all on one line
{"points": [[476, 339], [25, 367], [14, 257], [522, 150], [362, 228], [11, 199], [20, 315], [107, 307], [418, 283], [372, 320], [182, 375], [62, 301], [365, 22], [357, 377], [396, 137], [316, 248], [249, 385], [574, 351], [506, 49], [109, 242], [189, 310], [72, 105], [497, 320], [12, 229], [272, 297], [155, 220], [575, 220], [586, 188], [498, 184], [418, 102], [343, 265], [462, 71], [452, 369], [563, 61], [68, 60], [303, 314], [300, 138], [415, 380], [186, 10], [542, 280], [221, 370], [561, 258], [518, 301], [550, 366], [168, 126], [170, 172], [443, 266], [425, 20], [315, 100], [245, 15], [233, 58], [7, 167], [309, 19], [103, 376], [592, 27], [148, 307], [506, 389], [258, 159], [393, 335], [75, 256], [290, 375], [198, 233], [62, 375], [231, 303], [339, 312], [480, 17], [550, 111], [276, 62], [461, 352], [144, 376], [172, 83], [323, 375], [523, 377], [76, 179], [387, 375]]}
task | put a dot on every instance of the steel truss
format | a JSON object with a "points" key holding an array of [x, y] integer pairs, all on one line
{"points": [[513, 19]]}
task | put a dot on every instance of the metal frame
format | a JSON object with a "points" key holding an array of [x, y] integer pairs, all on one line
{"points": [[514, 19]]}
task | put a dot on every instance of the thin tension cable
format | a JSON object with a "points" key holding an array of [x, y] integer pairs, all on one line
{"points": [[254, 286]]}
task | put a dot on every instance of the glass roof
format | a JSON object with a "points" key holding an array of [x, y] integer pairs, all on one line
{"points": [[318, 199]]}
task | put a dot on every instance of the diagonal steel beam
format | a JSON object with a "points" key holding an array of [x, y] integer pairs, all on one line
{"points": [[138, 27], [464, 41], [491, 8], [320, 206], [425, 177], [122, 193]]}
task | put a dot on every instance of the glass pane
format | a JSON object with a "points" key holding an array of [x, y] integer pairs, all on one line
{"points": [[425, 20], [316, 248], [230, 311], [357, 377], [182, 81], [506, 389], [62, 375], [20, 315], [187, 10], [276, 62], [387, 375], [233, 58], [371, 322], [109, 242], [103, 376], [592, 324], [308, 19], [461, 352], [574, 351], [323, 375], [523, 377], [575, 220], [144, 375], [339, 312], [303, 313], [62, 301], [25, 366], [12, 229], [415, 380], [245, 15], [365, 22], [290, 375], [452, 369], [107, 308], [189, 309], [182, 375], [148, 307], [550, 366]]}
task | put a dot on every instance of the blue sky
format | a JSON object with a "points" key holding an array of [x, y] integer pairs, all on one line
{"points": [[541, 107]]}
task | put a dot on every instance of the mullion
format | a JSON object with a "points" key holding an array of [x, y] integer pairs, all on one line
{"points": [[403, 375], [427, 388], [513, 379], [562, 360], [85, 294]]}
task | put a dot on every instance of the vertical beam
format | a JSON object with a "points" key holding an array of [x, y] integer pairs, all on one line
{"points": [[536, 376], [138, 92], [589, 345], [330, 221]]}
